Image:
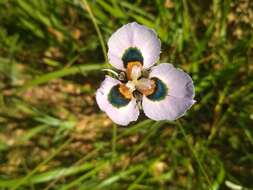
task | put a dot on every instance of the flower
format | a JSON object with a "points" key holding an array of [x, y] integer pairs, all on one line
{"points": [[163, 92]]}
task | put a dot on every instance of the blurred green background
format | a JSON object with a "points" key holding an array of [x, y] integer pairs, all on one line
{"points": [[52, 134]]}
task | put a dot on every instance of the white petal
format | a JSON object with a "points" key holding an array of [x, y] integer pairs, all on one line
{"points": [[147, 41], [118, 43], [133, 35], [179, 96], [179, 83], [170, 108], [123, 115]]}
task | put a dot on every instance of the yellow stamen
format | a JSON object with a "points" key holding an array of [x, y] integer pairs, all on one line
{"points": [[149, 90], [124, 90], [130, 66]]}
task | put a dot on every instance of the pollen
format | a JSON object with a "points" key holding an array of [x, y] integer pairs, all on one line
{"points": [[125, 91], [148, 90], [130, 66]]}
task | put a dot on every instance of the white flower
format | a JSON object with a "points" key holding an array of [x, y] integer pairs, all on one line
{"points": [[164, 91]]}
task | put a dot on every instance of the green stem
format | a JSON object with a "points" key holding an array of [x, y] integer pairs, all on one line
{"points": [[195, 155], [93, 19], [114, 138]]}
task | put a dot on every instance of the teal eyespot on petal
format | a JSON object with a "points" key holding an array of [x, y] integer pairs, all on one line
{"points": [[132, 54], [116, 98], [160, 91]]}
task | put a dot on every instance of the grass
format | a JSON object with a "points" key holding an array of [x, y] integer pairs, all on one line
{"points": [[52, 134]]}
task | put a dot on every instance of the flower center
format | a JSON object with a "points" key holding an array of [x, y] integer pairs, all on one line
{"points": [[137, 82], [134, 69]]}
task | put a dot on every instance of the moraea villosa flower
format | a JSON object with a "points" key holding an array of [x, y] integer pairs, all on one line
{"points": [[163, 92]]}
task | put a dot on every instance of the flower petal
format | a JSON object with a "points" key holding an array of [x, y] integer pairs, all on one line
{"points": [[179, 83], [147, 41], [118, 43], [170, 108], [173, 95], [133, 35], [119, 110]]}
